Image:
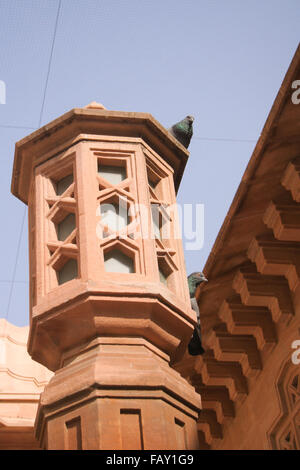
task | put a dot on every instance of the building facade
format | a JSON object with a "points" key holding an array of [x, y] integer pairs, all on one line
{"points": [[250, 308], [248, 378]]}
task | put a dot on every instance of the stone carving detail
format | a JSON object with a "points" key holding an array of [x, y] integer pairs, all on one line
{"points": [[117, 220], [56, 228], [286, 433], [162, 221]]}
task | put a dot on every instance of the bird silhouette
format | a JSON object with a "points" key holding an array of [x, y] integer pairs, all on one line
{"points": [[195, 345], [183, 130]]}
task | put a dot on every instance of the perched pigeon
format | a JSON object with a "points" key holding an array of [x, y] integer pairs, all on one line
{"points": [[195, 345], [183, 131]]}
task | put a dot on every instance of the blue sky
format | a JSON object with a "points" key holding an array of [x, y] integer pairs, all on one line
{"points": [[221, 60]]}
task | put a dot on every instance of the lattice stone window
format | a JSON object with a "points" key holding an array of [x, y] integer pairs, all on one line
{"points": [[117, 221], [63, 184], [68, 272], [286, 433], [111, 173], [156, 220], [155, 181], [113, 215], [288, 441], [61, 232], [164, 272], [162, 222], [115, 261], [65, 227], [294, 389], [162, 277]]}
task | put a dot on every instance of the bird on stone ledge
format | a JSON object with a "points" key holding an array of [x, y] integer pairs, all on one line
{"points": [[195, 345], [183, 131]]}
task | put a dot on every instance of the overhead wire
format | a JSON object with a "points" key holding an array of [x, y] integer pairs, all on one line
{"points": [[13, 280], [39, 124]]}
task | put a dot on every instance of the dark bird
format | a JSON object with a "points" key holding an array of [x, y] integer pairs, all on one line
{"points": [[195, 345], [183, 131]]}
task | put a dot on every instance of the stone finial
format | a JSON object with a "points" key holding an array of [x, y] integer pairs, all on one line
{"points": [[94, 105]]}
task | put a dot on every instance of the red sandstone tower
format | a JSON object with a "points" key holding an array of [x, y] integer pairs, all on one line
{"points": [[109, 302]]}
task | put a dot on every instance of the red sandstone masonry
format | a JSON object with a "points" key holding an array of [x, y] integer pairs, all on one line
{"points": [[109, 334]]}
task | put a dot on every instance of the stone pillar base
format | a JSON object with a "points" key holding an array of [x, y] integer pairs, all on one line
{"points": [[118, 394]]}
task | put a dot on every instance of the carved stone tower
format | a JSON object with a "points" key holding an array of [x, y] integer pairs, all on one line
{"points": [[109, 301]]}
